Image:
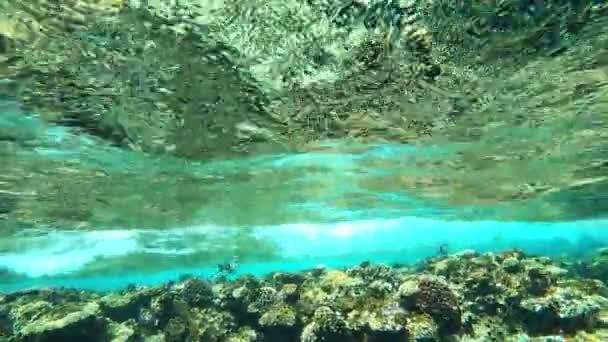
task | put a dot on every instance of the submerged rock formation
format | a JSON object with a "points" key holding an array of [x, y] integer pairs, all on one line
{"points": [[517, 85], [469, 297], [199, 80], [130, 79]]}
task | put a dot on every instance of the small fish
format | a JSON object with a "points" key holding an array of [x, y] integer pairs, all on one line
{"points": [[228, 267]]}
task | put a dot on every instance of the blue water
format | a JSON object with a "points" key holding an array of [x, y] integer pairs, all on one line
{"points": [[326, 213], [56, 259]]}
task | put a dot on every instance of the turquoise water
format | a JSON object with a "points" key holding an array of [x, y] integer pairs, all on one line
{"points": [[335, 206], [55, 259]]}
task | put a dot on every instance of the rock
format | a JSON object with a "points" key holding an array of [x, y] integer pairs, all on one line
{"points": [[278, 316], [264, 298], [326, 325], [309, 333], [388, 324], [540, 279], [407, 294], [447, 266], [176, 329], [160, 80], [121, 307], [432, 295], [478, 300], [563, 309], [84, 325], [240, 292], [124, 332], [380, 289], [511, 265], [289, 293], [328, 320], [422, 328], [197, 292]]}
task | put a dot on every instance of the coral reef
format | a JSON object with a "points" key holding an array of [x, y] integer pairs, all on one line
{"points": [[595, 266], [432, 296], [465, 297]]}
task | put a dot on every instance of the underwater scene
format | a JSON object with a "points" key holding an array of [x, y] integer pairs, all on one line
{"points": [[304, 170]]}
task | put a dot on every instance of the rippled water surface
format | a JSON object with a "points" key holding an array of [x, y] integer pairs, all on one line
{"points": [[141, 218]]}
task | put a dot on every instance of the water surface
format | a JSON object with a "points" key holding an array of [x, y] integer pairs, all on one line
{"points": [[89, 214]]}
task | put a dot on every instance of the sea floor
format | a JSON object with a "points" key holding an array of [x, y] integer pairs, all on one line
{"points": [[466, 296]]}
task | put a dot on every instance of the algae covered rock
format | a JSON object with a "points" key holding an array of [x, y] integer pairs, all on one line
{"points": [[423, 328], [432, 295], [326, 325], [122, 332], [389, 323], [562, 310], [139, 87], [59, 325], [289, 293], [124, 306], [596, 266], [265, 297], [278, 316], [197, 292], [197, 81], [511, 264]]}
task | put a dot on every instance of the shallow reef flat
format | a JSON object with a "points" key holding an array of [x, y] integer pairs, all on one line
{"points": [[467, 296]]}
